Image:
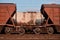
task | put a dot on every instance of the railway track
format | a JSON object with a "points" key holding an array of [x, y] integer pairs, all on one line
{"points": [[30, 37]]}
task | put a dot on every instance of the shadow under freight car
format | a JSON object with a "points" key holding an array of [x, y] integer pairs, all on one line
{"points": [[2, 32], [27, 32]]}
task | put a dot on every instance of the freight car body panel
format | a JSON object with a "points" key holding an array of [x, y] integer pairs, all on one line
{"points": [[6, 12], [28, 18], [53, 12]]}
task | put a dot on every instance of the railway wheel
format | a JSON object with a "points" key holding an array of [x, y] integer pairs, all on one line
{"points": [[50, 30], [37, 30], [7, 30], [21, 31]]}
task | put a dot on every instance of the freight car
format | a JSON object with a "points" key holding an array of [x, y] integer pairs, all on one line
{"points": [[7, 10], [51, 12], [29, 20]]}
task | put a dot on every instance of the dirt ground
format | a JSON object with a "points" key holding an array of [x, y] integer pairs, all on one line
{"points": [[30, 37]]}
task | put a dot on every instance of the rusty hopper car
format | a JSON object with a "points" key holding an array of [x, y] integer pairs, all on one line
{"points": [[7, 10], [51, 12]]}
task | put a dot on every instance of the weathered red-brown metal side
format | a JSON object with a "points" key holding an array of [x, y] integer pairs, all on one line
{"points": [[6, 11], [53, 12]]}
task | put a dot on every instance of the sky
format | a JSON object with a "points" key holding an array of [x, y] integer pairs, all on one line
{"points": [[29, 5]]}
